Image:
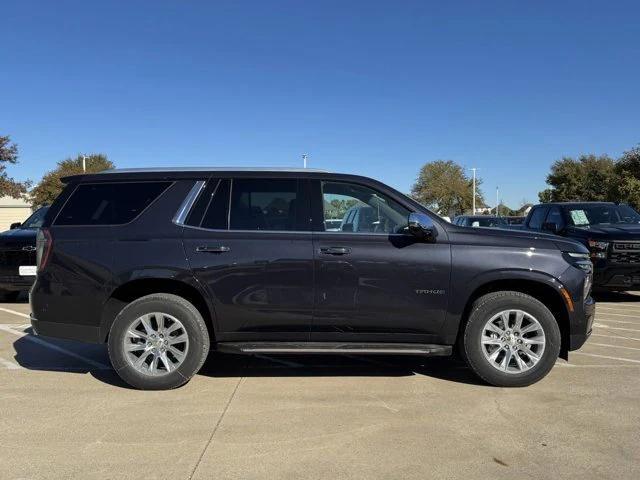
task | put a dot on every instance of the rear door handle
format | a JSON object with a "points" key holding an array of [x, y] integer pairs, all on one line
{"points": [[207, 249], [335, 250]]}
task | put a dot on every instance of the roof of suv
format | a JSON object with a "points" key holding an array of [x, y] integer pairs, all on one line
{"points": [[210, 169], [188, 172]]}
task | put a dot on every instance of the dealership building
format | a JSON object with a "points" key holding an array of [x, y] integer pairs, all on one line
{"points": [[13, 210]]}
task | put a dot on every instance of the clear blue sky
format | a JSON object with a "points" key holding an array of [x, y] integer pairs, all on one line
{"points": [[376, 88]]}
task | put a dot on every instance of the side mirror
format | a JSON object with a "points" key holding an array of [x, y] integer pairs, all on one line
{"points": [[15, 225], [421, 226], [551, 227]]}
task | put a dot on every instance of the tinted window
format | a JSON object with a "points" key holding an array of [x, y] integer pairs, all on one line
{"points": [[36, 220], [109, 203], [537, 217], [217, 213], [555, 216], [264, 204], [362, 209], [211, 209]]}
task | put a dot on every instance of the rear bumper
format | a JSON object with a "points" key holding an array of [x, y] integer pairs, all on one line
{"points": [[68, 331]]}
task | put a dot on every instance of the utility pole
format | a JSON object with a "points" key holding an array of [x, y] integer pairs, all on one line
{"points": [[497, 202], [473, 202], [304, 160], [84, 163]]}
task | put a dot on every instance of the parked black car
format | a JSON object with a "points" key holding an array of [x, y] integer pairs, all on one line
{"points": [[162, 265], [18, 256], [610, 231], [485, 221]]}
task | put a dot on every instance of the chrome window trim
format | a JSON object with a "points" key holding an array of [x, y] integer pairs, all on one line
{"points": [[186, 205]]}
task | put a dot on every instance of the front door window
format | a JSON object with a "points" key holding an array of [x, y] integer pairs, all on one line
{"points": [[353, 208]]}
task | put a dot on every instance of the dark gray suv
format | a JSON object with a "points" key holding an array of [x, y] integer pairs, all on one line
{"points": [[164, 265]]}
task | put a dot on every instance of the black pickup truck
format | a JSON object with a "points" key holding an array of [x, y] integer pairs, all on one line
{"points": [[18, 256], [610, 231]]}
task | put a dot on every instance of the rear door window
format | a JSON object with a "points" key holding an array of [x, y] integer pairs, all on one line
{"points": [[109, 203], [265, 204], [211, 209]]}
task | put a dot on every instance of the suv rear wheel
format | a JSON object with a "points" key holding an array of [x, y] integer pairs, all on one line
{"points": [[511, 339], [158, 342]]}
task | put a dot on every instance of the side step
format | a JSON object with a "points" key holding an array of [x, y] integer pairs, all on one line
{"points": [[336, 348]]}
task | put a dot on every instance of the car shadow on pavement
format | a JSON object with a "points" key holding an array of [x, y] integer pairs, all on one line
{"points": [[616, 297], [49, 354]]}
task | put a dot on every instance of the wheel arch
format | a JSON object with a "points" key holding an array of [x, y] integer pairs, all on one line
{"points": [[139, 287], [547, 292]]}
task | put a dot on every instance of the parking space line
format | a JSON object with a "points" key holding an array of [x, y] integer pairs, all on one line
{"points": [[10, 365], [607, 306], [607, 357], [615, 336], [616, 321], [613, 365], [614, 346], [607, 314], [621, 306], [20, 314], [615, 328], [55, 347]]}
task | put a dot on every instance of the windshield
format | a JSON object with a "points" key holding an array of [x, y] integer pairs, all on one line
{"points": [[585, 215], [36, 219]]}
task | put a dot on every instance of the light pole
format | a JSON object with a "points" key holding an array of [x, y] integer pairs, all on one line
{"points": [[304, 160], [497, 202], [84, 163], [473, 201]]}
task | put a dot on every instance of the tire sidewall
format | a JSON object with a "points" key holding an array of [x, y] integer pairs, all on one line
{"points": [[194, 327], [486, 308]]}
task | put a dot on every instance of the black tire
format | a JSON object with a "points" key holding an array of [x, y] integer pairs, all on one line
{"points": [[195, 328], [9, 296], [484, 308]]}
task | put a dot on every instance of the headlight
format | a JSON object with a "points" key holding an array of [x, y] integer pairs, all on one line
{"points": [[581, 261], [598, 248]]}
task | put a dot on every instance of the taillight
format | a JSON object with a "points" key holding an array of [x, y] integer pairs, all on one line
{"points": [[44, 244]]}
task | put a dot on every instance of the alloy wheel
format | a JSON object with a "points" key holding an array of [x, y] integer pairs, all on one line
{"points": [[156, 344], [513, 341]]}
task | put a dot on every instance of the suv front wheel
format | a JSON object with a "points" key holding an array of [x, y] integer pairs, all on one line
{"points": [[158, 342], [511, 339]]}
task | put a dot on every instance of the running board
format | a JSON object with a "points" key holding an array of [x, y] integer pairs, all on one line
{"points": [[335, 348]]}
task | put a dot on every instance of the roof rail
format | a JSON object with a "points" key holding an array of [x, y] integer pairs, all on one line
{"points": [[212, 169]]}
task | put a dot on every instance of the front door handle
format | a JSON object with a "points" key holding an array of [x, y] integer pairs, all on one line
{"points": [[207, 249], [335, 250]]}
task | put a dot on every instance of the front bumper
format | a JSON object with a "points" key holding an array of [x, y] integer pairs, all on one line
{"points": [[14, 283], [614, 276], [583, 326]]}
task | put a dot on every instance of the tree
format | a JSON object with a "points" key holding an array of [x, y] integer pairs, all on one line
{"points": [[504, 211], [9, 155], [51, 184], [588, 178], [627, 169], [444, 187]]}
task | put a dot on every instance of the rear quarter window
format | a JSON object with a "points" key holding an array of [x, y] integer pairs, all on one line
{"points": [[108, 203]]}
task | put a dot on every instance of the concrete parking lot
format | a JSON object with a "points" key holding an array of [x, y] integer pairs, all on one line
{"points": [[65, 414]]}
